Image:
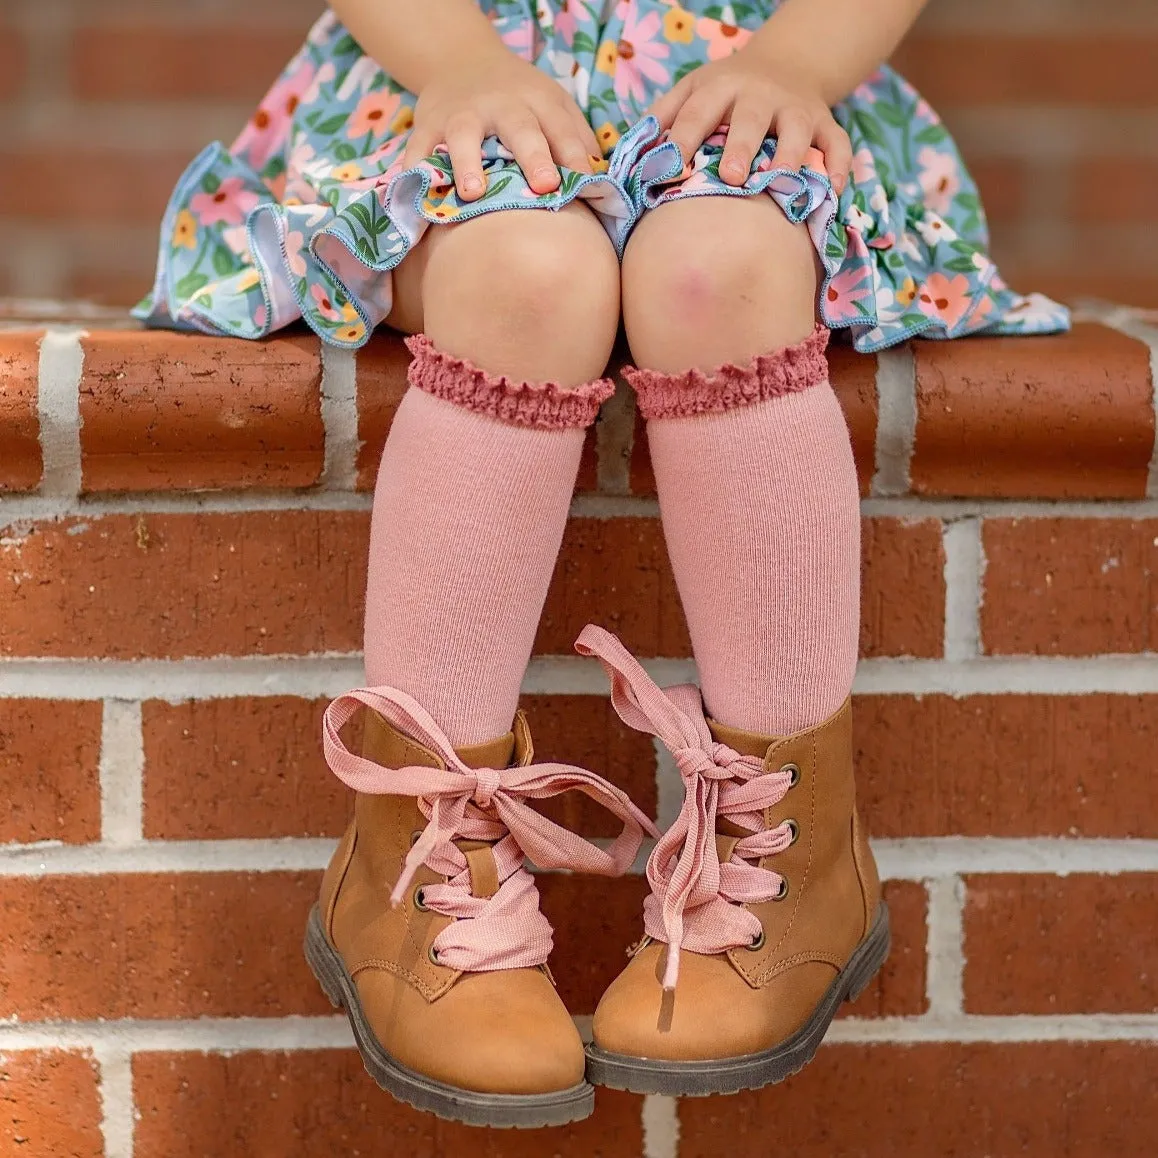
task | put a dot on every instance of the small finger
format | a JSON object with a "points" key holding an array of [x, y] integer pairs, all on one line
{"points": [[793, 137], [746, 133], [566, 146], [522, 134], [833, 142], [586, 134], [420, 145], [700, 116], [668, 106], [464, 143]]}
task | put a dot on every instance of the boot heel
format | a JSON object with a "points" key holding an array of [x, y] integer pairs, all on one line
{"points": [[317, 958], [871, 956]]}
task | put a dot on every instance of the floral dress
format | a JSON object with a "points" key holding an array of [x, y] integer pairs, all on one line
{"points": [[309, 211]]}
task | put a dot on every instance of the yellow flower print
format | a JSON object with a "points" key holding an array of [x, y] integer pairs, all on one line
{"points": [[347, 172], [185, 231], [349, 314], [403, 121], [606, 56], [907, 292], [354, 333], [440, 209], [247, 281], [599, 164], [607, 136], [679, 25], [291, 200]]}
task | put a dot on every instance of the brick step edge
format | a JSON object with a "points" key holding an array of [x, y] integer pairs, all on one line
{"points": [[92, 404]]}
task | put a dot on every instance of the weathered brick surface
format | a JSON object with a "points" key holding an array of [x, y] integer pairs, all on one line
{"points": [[902, 588], [20, 458], [1069, 586], [238, 768], [1038, 1099], [304, 1104], [49, 780], [164, 411], [381, 383], [1078, 944], [1007, 765], [1053, 417], [49, 1105]]}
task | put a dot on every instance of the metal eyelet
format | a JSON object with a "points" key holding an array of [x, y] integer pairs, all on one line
{"points": [[783, 890], [757, 943], [794, 829], [420, 901], [432, 956], [793, 771]]}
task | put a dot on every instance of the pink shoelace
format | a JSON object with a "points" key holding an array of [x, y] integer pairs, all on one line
{"points": [[694, 901], [506, 931]]}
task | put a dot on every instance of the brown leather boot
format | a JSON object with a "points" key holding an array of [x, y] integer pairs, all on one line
{"points": [[765, 911], [447, 989]]}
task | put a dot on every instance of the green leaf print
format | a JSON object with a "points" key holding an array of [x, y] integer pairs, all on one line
{"points": [[869, 129], [365, 251], [347, 45], [968, 201], [210, 183], [274, 167], [911, 320], [892, 114], [344, 151], [361, 215], [331, 125], [961, 265], [932, 135], [190, 284], [497, 186], [582, 44], [224, 263]]}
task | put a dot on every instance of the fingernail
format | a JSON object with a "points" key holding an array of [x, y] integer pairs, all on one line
{"points": [[545, 173], [471, 184]]}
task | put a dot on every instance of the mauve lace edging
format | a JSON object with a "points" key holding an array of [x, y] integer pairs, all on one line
{"points": [[785, 371], [545, 405]]}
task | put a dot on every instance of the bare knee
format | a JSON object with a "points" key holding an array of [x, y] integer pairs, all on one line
{"points": [[716, 280], [531, 294]]}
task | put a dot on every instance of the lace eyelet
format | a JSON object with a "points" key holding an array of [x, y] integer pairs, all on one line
{"points": [[783, 890], [757, 943], [420, 900], [793, 771], [794, 829], [432, 956]]}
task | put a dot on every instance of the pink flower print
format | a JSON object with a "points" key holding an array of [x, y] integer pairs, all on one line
{"points": [[844, 291], [639, 52], [567, 21], [723, 39], [864, 167], [940, 179], [229, 205], [238, 241], [374, 114], [259, 316], [324, 305], [266, 130], [946, 299], [295, 242], [520, 39]]}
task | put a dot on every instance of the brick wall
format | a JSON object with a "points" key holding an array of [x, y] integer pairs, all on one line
{"points": [[102, 102], [182, 589]]}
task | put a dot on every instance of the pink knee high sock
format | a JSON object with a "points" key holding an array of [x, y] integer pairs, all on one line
{"points": [[758, 493], [469, 511]]}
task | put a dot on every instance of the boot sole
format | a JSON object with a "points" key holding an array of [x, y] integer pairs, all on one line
{"points": [[525, 1111], [640, 1075]]}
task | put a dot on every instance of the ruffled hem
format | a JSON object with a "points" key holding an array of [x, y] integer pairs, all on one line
{"points": [[545, 405], [785, 371]]}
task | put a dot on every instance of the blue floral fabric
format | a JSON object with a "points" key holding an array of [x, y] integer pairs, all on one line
{"points": [[309, 210]]}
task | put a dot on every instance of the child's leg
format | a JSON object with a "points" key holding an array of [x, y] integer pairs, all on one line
{"points": [[752, 458], [470, 508]]}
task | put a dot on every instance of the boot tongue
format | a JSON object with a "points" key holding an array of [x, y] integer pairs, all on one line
{"points": [[746, 743], [492, 754]]}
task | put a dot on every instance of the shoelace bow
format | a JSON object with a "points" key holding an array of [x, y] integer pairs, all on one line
{"points": [[506, 931], [694, 901]]}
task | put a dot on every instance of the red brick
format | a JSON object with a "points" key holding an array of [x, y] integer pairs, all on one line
{"points": [[853, 378], [595, 920], [238, 768], [1133, 200], [1087, 70], [1132, 288], [1077, 944], [1008, 765], [1036, 1099], [164, 411], [382, 367], [902, 588], [20, 460], [1004, 184], [121, 286], [128, 586], [586, 731], [120, 185], [151, 62], [156, 945], [49, 1105], [49, 770], [898, 990], [304, 1104], [1067, 416], [13, 61], [1069, 586]]}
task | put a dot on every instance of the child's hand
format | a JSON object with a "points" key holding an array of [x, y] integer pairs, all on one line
{"points": [[505, 97], [743, 93]]}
